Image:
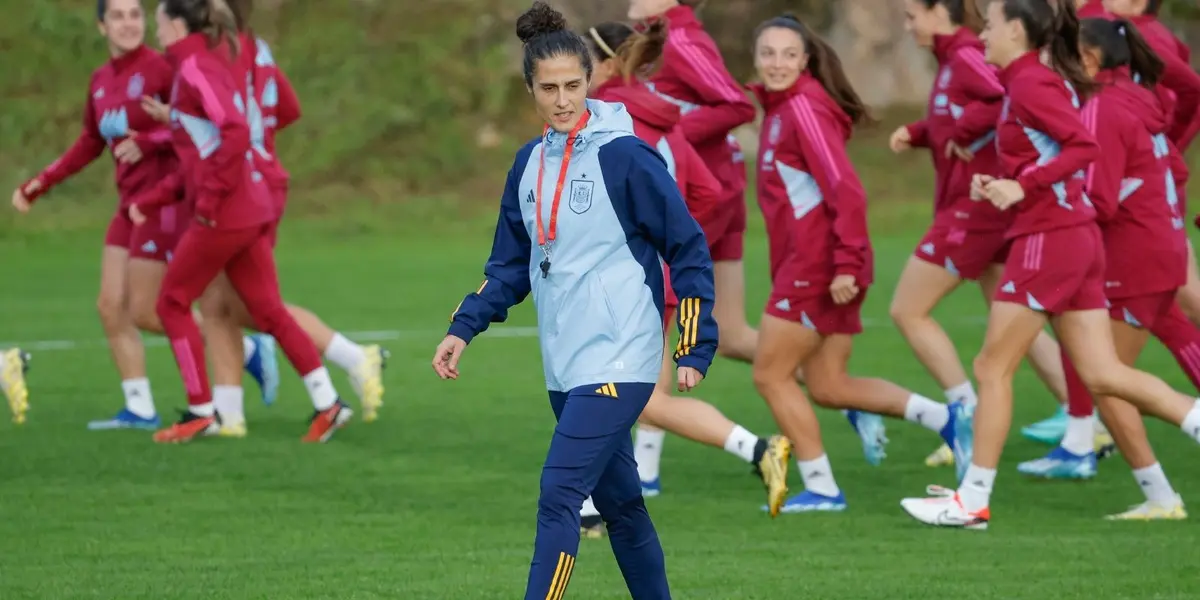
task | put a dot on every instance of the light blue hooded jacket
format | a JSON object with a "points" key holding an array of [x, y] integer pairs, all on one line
{"points": [[600, 306]]}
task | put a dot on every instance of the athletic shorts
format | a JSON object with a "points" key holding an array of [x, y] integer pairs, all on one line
{"points": [[1143, 312], [817, 312], [153, 240], [965, 254], [1056, 271], [729, 245]]}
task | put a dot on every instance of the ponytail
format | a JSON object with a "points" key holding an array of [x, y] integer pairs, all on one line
{"points": [[213, 18], [963, 13], [222, 23], [637, 52], [825, 66], [1053, 25], [1121, 45]]}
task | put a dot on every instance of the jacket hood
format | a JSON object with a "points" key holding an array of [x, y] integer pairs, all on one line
{"points": [[643, 105], [944, 46], [1141, 102], [606, 121]]}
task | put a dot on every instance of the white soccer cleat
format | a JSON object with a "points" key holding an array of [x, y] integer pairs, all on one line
{"points": [[944, 508]]}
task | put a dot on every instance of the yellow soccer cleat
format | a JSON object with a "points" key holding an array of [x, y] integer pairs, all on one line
{"points": [[367, 379], [591, 528], [1104, 444], [233, 430], [773, 466], [1153, 511], [13, 364], [942, 457]]}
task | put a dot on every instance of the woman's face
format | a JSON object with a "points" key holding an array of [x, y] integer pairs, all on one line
{"points": [[1003, 40], [168, 30], [559, 89], [644, 9], [123, 25], [779, 57], [923, 22]]}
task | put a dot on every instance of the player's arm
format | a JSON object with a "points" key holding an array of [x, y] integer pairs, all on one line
{"points": [[506, 274], [981, 85], [651, 199], [87, 147], [918, 133], [222, 162], [1044, 106], [723, 104], [824, 150], [288, 111]]}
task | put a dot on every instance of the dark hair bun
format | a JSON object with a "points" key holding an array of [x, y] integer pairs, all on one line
{"points": [[790, 16], [540, 19]]}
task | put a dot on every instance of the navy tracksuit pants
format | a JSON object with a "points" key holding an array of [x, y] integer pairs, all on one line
{"points": [[591, 453]]}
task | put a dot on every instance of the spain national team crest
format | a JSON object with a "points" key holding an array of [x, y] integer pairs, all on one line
{"points": [[581, 195], [137, 85], [774, 130]]}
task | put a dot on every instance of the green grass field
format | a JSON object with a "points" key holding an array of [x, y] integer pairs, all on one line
{"points": [[437, 499]]}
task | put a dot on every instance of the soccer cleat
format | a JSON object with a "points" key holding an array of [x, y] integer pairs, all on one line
{"points": [[944, 508], [1049, 431], [591, 527], [326, 422], [773, 466], [233, 430], [263, 367], [1104, 444], [189, 427], [13, 365], [941, 457], [872, 432], [367, 380], [651, 488], [126, 419], [959, 434], [1061, 463], [1153, 511], [807, 501]]}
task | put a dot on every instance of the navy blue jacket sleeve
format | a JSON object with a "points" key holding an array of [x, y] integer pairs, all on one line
{"points": [[661, 215], [506, 274]]}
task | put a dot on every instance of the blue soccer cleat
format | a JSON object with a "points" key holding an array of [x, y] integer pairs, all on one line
{"points": [[959, 435], [263, 367], [807, 501], [1049, 431], [871, 430], [651, 488], [125, 420], [1061, 463]]}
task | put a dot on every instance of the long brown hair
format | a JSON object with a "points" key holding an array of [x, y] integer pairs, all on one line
{"points": [[637, 52], [825, 67], [1053, 24], [214, 18]]}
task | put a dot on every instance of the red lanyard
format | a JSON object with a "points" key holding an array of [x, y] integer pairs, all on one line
{"points": [[543, 238]]}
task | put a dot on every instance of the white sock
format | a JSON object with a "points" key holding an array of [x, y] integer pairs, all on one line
{"points": [[344, 353], [818, 476], [230, 403], [247, 349], [741, 443], [976, 488], [320, 389], [647, 451], [1081, 432], [1191, 423], [927, 413], [137, 397], [963, 392], [589, 509], [1154, 485], [201, 410]]}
